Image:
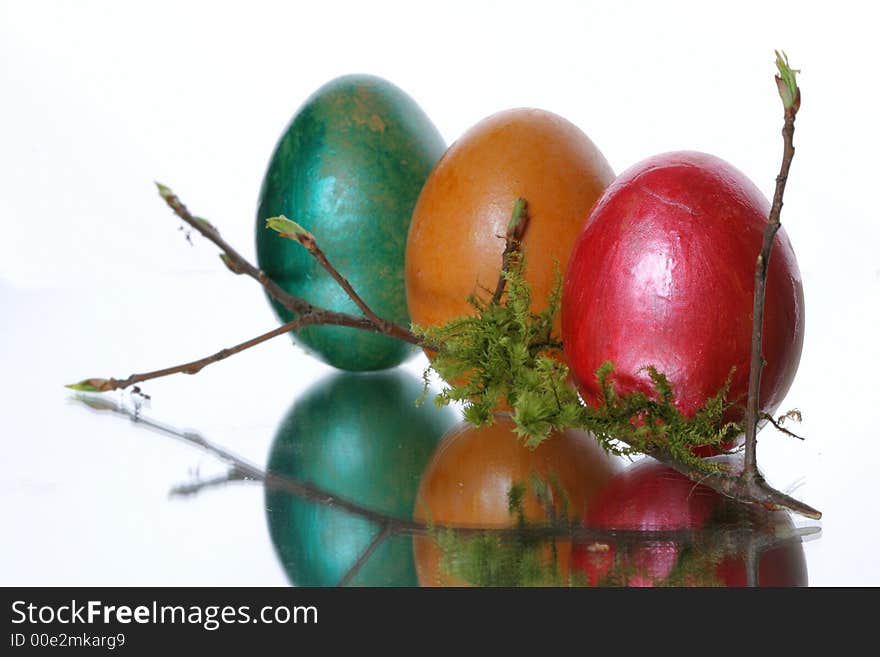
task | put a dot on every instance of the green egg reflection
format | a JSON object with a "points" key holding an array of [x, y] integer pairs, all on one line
{"points": [[359, 436]]}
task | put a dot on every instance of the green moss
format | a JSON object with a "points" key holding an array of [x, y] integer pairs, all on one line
{"points": [[505, 353]]}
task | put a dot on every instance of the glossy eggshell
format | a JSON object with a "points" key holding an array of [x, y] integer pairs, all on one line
{"points": [[456, 238], [348, 168], [663, 275], [650, 496], [360, 437], [646, 496], [469, 477]]}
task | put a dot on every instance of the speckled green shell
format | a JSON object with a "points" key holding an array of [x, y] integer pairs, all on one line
{"points": [[348, 168]]}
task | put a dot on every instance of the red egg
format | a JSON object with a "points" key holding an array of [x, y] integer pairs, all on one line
{"points": [[647, 496], [650, 496], [663, 275]]}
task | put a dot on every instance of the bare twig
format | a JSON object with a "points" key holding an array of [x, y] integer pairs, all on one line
{"points": [[239, 265], [308, 314], [232, 475], [195, 366], [231, 258], [736, 485], [791, 99], [293, 231], [516, 229], [778, 424]]}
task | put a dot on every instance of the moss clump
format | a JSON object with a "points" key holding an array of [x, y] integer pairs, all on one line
{"points": [[506, 353]]}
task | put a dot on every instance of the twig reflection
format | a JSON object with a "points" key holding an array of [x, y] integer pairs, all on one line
{"points": [[750, 536]]}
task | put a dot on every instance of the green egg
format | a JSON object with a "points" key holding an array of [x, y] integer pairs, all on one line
{"points": [[348, 168], [360, 437]]}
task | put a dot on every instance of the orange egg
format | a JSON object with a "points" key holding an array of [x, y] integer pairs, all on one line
{"points": [[456, 237], [467, 482]]}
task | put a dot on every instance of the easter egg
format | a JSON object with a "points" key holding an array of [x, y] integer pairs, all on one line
{"points": [[362, 438], [457, 235], [663, 275], [471, 475], [650, 496], [348, 168]]}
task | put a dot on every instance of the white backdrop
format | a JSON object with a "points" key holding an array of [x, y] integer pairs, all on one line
{"points": [[98, 99]]}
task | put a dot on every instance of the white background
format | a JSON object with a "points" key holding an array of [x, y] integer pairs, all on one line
{"points": [[97, 100]]}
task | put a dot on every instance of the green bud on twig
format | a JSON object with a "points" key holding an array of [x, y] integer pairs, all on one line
{"points": [[516, 225], [291, 230], [91, 385], [286, 226], [231, 264], [164, 192], [786, 82]]}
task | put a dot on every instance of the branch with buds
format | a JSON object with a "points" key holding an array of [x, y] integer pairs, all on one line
{"points": [[791, 100]]}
